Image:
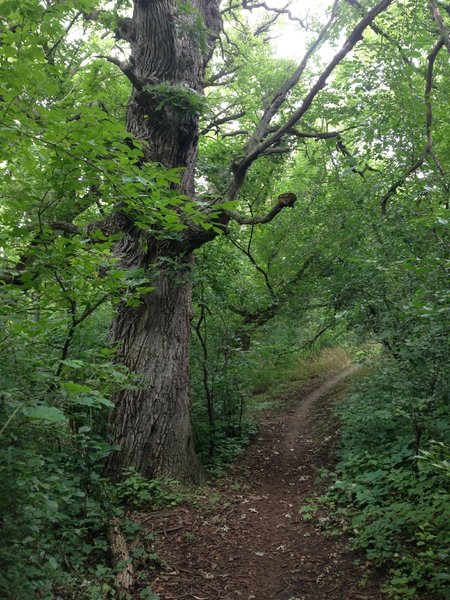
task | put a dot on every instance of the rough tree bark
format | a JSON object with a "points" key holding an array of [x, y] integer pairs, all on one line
{"points": [[152, 425]]}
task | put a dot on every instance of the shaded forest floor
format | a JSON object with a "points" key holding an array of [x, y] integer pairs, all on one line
{"points": [[245, 538]]}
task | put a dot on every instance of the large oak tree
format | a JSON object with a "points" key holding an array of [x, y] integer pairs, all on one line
{"points": [[170, 44]]}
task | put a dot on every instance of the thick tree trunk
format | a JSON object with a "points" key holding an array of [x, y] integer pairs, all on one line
{"points": [[151, 424]]}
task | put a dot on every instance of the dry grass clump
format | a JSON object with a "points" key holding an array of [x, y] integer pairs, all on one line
{"points": [[322, 365]]}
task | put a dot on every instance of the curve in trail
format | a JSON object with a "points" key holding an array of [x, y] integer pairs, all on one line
{"points": [[252, 543], [301, 413]]}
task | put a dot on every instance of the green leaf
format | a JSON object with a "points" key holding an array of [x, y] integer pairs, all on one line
{"points": [[46, 413], [76, 388]]}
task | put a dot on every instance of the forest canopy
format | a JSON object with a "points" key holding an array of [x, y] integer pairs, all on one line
{"points": [[187, 209]]}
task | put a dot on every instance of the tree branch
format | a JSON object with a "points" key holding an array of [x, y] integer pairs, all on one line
{"points": [[260, 316], [279, 98], [428, 150], [277, 150], [340, 145], [215, 124], [126, 68], [309, 343], [252, 150], [379, 31], [235, 133], [222, 73], [394, 187], [443, 29], [278, 11], [50, 51], [264, 27], [249, 255], [63, 226], [284, 200], [316, 135]]}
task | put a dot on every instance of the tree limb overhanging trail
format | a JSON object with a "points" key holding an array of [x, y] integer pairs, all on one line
{"points": [[256, 146], [428, 151]]}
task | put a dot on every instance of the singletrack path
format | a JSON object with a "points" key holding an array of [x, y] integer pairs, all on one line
{"points": [[246, 539]]}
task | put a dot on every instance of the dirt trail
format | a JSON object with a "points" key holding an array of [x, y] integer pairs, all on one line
{"points": [[249, 542], [298, 422]]}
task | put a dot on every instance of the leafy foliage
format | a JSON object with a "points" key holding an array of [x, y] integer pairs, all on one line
{"points": [[181, 99], [394, 500], [137, 492]]}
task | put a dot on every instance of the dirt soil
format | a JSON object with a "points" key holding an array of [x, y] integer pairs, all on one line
{"points": [[245, 538]]}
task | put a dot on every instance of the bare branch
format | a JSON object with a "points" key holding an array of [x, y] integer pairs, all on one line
{"points": [[230, 7], [340, 145], [50, 51], [214, 79], [126, 68], [394, 187], [235, 133], [379, 31], [63, 226], [278, 150], [309, 343], [202, 338], [300, 273], [280, 97], [261, 316], [264, 27], [216, 122], [249, 255], [284, 200], [247, 4], [257, 317], [316, 135], [428, 88], [89, 309]]}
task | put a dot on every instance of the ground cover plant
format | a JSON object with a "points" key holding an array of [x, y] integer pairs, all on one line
{"points": [[392, 496]]}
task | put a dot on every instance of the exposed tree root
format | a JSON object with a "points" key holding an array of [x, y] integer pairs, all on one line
{"points": [[120, 555]]}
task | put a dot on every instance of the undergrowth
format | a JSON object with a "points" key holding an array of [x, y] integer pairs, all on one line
{"points": [[391, 488], [56, 507]]}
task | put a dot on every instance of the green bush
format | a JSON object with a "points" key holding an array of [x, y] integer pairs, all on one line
{"points": [[53, 515], [391, 495], [135, 491]]}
